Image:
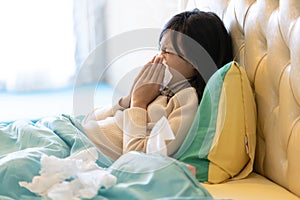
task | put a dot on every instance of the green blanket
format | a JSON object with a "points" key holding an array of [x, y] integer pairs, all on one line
{"points": [[139, 176]]}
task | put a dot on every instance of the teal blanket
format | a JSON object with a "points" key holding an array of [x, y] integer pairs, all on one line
{"points": [[139, 175]]}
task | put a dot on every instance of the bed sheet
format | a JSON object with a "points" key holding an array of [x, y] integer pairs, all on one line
{"points": [[139, 175]]}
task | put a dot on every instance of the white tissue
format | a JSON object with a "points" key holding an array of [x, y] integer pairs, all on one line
{"points": [[161, 131], [74, 177], [168, 76]]}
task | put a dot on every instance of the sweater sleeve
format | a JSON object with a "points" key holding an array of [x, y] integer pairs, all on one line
{"points": [[103, 112], [183, 108], [134, 129], [103, 126]]}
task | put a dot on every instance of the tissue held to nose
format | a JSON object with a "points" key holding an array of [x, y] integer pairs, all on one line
{"points": [[167, 76]]}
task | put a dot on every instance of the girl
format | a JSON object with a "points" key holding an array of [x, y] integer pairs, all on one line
{"points": [[126, 126]]}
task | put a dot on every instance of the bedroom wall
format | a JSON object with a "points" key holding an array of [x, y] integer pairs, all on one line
{"points": [[132, 28]]}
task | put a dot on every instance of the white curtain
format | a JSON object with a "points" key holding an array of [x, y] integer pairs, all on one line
{"points": [[39, 48], [90, 31]]}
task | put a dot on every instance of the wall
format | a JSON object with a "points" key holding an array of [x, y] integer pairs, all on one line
{"points": [[132, 30]]}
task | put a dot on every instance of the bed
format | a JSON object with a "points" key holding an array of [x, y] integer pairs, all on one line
{"points": [[25, 143]]}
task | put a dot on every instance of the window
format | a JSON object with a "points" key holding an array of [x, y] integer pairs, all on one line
{"points": [[39, 47]]}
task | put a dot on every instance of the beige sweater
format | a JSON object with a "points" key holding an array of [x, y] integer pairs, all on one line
{"points": [[105, 126]]}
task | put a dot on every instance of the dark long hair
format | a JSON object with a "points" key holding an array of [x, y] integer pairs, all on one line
{"points": [[208, 30]]}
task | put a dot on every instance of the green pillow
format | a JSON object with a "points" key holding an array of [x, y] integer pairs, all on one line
{"points": [[221, 142]]}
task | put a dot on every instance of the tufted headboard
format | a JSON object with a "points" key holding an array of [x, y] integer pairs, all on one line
{"points": [[266, 41]]}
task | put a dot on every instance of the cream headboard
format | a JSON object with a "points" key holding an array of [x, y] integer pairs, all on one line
{"points": [[266, 40]]}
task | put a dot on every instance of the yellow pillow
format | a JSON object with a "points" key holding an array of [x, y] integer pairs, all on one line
{"points": [[221, 141]]}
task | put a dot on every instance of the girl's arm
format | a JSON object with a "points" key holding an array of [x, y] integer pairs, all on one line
{"points": [[135, 133], [102, 113], [136, 94]]}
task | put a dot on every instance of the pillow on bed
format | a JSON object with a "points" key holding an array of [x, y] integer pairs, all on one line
{"points": [[221, 141]]}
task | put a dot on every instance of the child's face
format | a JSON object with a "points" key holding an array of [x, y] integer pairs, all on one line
{"points": [[175, 62], [178, 64]]}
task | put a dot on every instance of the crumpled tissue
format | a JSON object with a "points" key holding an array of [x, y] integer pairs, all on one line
{"points": [[77, 176], [161, 131]]}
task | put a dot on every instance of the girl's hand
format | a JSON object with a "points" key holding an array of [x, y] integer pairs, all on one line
{"points": [[147, 84], [126, 100]]}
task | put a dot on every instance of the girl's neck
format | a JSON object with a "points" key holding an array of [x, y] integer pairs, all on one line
{"points": [[178, 85]]}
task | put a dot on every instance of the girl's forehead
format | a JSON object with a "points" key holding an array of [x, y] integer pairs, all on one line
{"points": [[166, 42]]}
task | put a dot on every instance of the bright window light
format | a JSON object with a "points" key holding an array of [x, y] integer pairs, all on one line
{"points": [[37, 43]]}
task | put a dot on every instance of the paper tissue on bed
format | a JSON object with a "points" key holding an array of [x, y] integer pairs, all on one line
{"points": [[77, 176]]}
